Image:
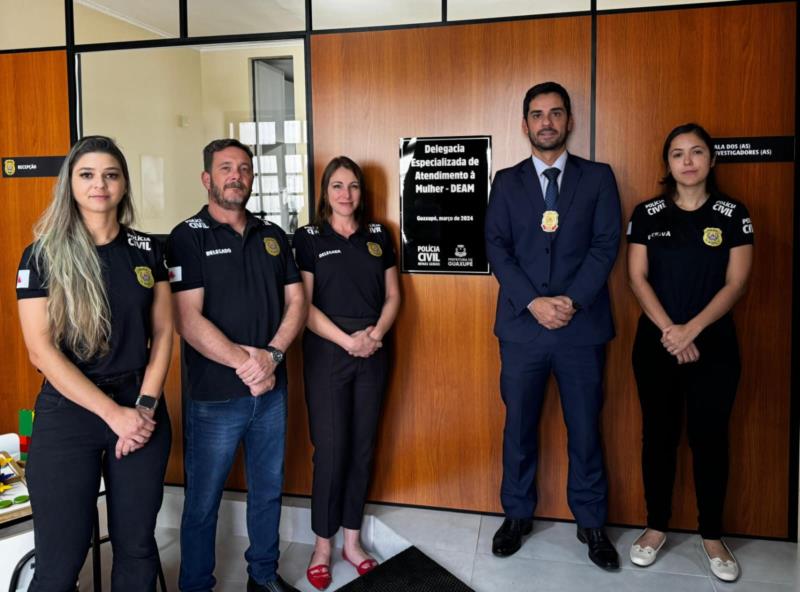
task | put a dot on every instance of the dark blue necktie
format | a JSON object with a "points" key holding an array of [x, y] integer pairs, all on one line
{"points": [[551, 193]]}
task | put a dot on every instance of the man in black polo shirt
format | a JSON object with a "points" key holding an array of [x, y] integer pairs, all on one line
{"points": [[239, 304]]}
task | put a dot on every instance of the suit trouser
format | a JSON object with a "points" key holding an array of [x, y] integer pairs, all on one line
{"points": [[579, 373], [706, 389], [344, 396], [70, 448]]}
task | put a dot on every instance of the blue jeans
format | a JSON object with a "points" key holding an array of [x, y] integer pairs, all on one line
{"points": [[212, 432]]}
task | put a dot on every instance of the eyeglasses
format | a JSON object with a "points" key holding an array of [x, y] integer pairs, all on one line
{"points": [[7, 503]]}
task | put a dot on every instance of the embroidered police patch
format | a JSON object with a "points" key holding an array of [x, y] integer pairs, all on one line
{"points": [[272, 246], [712, 237], [374, 249], [144, 276]]}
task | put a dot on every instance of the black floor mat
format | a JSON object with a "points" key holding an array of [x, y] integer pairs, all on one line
{"points": [[409, 571]]}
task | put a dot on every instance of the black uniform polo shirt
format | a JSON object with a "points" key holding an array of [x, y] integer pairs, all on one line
{"points": [[687, 252], [243, 277], [132, 263], [349, 273]]}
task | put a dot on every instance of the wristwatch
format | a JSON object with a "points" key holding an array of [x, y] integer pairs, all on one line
{"points": [[277, 355], [146, 402]]}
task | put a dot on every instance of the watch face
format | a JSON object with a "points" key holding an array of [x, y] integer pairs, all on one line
{"points": [[146, 402], [277, 356]]}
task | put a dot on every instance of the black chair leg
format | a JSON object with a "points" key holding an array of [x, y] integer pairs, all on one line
{"points": [[97, 584]]}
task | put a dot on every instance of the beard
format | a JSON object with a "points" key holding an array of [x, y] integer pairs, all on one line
{"points": [[218, 195], [555, 142]]}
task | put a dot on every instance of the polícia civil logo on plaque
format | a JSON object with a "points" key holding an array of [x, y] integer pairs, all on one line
{"points": [[9, 166], [272, 246], [144, 276], [550, 221], [374, 249], [712, 237]]}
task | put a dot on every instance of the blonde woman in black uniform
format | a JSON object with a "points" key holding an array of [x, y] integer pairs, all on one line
{"points": [[350, 277], [94, 306], [689, 257]]}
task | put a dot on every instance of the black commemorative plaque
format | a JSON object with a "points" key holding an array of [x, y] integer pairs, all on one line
{"points": [[444, 190]]}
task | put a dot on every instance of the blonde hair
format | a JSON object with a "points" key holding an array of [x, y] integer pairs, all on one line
{"points": [[78, 311]]}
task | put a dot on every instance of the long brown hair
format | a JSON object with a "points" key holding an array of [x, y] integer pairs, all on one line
{"points": [[324, 211]]}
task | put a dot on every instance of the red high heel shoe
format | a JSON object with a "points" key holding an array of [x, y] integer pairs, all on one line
{"points": [[319, 576], [364, 567]]}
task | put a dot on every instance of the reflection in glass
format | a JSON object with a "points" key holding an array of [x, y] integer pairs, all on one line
{"points": [[479, 9], [107, 21], [163, 105], [278, 142], [239, 17], [343, 14]]}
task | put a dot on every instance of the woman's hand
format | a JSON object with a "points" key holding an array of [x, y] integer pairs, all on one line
{"points": [[362, 345], [690, 354], [133, 428], [676, 338]]}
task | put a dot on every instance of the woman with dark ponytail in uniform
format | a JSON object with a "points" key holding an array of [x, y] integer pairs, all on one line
{"points": [[350, 277], [94, 306], [689, 257]]}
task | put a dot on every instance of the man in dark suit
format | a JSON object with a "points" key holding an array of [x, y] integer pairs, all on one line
{"points": [[552, 233]]}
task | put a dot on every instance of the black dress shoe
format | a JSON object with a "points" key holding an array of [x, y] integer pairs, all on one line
{"points": [[276, 585], [508, 539], [601, 551]]}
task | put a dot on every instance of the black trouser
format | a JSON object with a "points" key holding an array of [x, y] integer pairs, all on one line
{"points": [[344, 396], [69, 449], [706, 389]]}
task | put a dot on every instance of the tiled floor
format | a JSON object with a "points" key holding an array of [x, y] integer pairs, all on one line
{"points": [[551, 560]]}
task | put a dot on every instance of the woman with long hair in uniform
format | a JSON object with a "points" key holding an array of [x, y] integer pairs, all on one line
{"points": [[350, 277], [96, 317], [690, 252]]}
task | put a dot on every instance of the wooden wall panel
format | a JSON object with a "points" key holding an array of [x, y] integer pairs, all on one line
{"points": [[441, 434], [34, 121], [727, 67], [732, 69]]}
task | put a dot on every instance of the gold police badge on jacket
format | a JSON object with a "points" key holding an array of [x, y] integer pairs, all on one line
{"points": [[550, 221]]}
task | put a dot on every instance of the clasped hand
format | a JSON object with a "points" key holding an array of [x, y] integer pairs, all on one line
{"points": [[552, 312], [678, 340], [364, 343], [258, 371], [133, 428]]}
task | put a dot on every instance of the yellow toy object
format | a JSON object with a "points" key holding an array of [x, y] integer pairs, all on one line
{"points": [[7, 460]]}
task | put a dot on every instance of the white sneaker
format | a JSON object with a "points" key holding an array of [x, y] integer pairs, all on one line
{"points": [[727, 571], [644, 556]]}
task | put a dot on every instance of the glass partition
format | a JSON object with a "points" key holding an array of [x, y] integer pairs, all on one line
{"points": [[238, 17], [480, 9], [343, 14], [178, 99], [108, 21], [25, 24]]}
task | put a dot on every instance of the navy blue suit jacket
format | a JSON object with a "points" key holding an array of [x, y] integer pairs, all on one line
{"points": [[574, 261]]}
